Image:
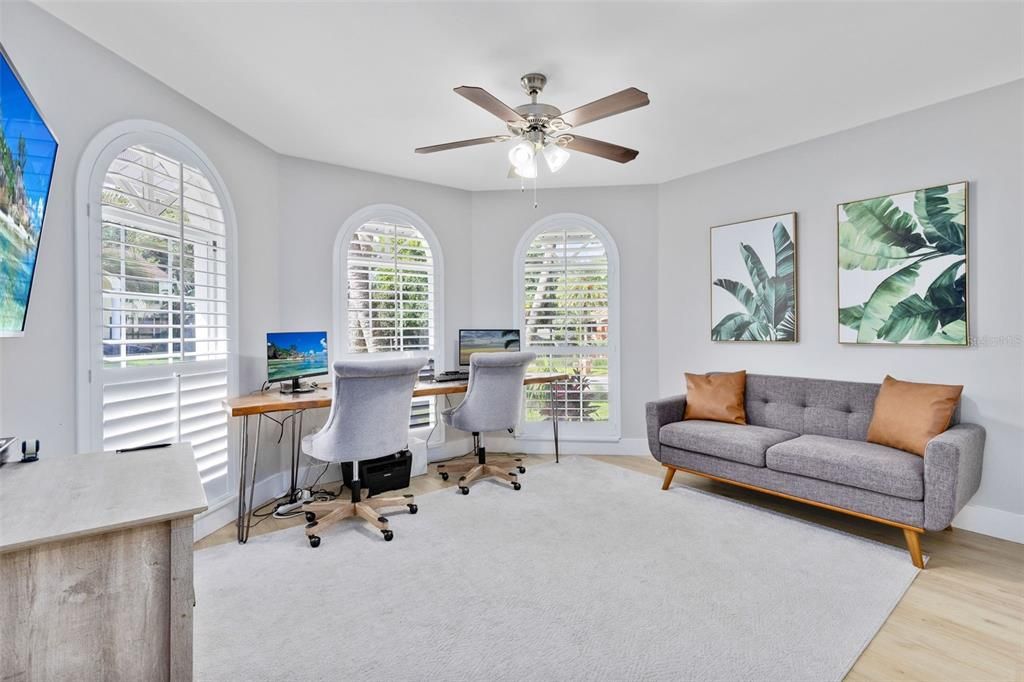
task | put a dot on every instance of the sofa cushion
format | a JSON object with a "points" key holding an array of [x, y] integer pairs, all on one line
{"points": [[851, 462], [737, 442]]}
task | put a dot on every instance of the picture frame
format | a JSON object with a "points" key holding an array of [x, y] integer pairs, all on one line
{"points": [[903, 268], [752, 301]]}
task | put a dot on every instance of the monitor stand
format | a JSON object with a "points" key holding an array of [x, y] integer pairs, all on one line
{"points": [[296, 387]]}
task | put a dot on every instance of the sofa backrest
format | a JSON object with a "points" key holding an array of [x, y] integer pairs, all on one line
{"points": [[822, 407]]}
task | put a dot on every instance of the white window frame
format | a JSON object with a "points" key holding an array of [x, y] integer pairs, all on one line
{"points": [[393, 214], [610, 430], [92, 169]]}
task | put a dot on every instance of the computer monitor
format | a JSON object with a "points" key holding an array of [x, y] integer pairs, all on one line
{"points": [[486, 341], [294, 355]]}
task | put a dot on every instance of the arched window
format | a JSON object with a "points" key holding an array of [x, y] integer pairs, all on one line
{"points": [[158, 278], [567, 305], [391, 281]]}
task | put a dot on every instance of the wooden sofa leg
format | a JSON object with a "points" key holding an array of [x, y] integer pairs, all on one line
{"points": [[669, 473], [914, 546]]}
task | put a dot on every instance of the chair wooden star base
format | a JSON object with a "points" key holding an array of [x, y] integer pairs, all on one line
{"points": [[337, 510], [474, 471]]}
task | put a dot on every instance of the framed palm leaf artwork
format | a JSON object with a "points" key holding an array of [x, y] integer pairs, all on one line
{"points": [[753, 280], [903, 268]]}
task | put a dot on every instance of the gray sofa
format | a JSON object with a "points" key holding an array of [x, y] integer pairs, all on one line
{"points": [[805, 439]]}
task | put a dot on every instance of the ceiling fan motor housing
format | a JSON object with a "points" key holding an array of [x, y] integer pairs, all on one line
{"points": [[540, 117], [537, 115]]}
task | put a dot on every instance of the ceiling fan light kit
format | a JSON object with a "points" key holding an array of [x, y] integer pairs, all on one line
{"points": [[528, 172], [523, 155], [542, 128], [555, 156]]}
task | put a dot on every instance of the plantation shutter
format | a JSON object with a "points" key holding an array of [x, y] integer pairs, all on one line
{"points": [[391, 297], [565, 321], [163, 332]]}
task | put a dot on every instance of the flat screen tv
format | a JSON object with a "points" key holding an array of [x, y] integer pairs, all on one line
{"points": [[28, 151]]}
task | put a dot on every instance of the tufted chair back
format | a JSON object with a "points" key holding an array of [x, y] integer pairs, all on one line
{"points": [[370, 412], [494, 399]]}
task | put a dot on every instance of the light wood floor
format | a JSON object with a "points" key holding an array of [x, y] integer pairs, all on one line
{"points": [[962, 620]]}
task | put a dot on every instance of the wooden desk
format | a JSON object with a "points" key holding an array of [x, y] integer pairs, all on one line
{"points": [[266, 402], [96, 559]]}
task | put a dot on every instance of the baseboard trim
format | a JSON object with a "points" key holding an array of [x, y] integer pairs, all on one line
{"points": [[989, 521], [531, 446], [275, 485], [226, 511], [450, 448]]}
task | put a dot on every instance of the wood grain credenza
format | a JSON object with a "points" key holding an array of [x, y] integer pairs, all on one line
{"points": [[96, 566]]}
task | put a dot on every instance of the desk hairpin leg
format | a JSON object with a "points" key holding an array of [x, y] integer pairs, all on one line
{"points": [[293, 490], [244, 521], [296, 493], [243, 460], [554, 419]]}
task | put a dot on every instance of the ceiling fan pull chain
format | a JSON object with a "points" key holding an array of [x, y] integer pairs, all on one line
{"points": [[535, 204]]}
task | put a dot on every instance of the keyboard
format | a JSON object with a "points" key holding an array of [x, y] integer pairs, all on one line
{"points": [[452, 376]]}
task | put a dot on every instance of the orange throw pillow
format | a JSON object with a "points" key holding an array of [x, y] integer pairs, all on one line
{"points": [[716, 397], [907, 415]]}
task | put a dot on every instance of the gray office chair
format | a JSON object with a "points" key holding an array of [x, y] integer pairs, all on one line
{"points": [[493, 402], [369, 418]]}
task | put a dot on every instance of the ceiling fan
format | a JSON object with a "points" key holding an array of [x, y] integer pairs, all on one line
{"points": [[542, 129]]}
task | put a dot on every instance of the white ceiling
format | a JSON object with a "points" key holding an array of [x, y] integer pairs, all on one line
{"points": [[362, 84]]}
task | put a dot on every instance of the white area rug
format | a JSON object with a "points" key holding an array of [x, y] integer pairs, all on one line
{"points": [[590, 572]]}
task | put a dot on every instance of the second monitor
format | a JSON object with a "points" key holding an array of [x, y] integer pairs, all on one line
{"points": [[295, 355], [486, 341]]}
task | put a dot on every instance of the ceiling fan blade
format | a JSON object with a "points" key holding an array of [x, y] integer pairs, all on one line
{"points": [[486, 100], [462, 143], [622, 101], [606, 150]]}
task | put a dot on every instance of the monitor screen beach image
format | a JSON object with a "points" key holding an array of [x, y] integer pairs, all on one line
{"points": [[486, 341], [27, 153], [292, 355]]}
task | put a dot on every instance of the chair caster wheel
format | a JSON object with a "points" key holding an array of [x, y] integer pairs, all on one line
{"points": [[522, 469], [388, 535], [516, 486], [314, 541], [464, 490], [310, 517], [413, 508], [444, 475]]}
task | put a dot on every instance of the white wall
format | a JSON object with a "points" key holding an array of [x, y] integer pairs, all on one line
{"points": [[976, 138], [630, 214], [81, 88]]}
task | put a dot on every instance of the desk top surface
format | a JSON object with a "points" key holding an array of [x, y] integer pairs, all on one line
{"points": [[63, 497], [276, 401]]}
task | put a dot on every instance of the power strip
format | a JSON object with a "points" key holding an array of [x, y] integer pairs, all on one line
{"points": [[286, 511]]}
